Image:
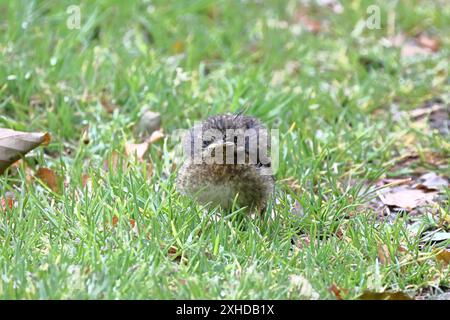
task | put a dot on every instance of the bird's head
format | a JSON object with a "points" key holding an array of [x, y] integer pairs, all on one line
{"points": [[229, 139]]}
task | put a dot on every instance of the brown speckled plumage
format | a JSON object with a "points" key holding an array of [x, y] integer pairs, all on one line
{"points": [[220, 184]]}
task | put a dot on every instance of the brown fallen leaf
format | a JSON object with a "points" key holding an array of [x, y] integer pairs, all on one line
{"points": [[432, 181], [406, 197], [49, 177], [155, 136], [178, 47], [311, 24], [293, 184], [114, 161], [444, 257], [303, 242], [172, 250], [36, 100], [411, 50], [149, 171], [7, 202], [106, 103], [410, 47], [383, 254], [136, 149], [85, 179], [334, 289], [115, 221], [302, 287], [15, 144], [419, 113], [175, 254], [427, 42], [388, 295]]}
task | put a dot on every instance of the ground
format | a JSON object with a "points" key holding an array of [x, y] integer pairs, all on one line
{"points": [[341, 86]]}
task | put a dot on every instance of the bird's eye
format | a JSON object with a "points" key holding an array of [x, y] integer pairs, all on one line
{"points": [[206, 143]]}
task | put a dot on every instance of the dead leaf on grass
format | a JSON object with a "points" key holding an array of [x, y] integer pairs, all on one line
{"points": [[421, 45], [15, 144], [384, 255], [444, 257], [303, 18], [432, 181], [388, 295], [428, 42], [107, 104], [50, 178], [85, 179], [334, 289], [136, 149], [406, 197], [114, 161], [7, 202], [303, 287], [155, 136]]}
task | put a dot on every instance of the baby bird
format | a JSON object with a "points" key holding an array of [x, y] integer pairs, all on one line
{"points": [[228, 161]]}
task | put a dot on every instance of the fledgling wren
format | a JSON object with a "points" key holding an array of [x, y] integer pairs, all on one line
{"points": [[228, 159]]}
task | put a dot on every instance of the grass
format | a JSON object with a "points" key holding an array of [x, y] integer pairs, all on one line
{"points": [[337, 135]]}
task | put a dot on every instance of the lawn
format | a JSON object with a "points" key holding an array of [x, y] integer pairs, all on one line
{"points": [[361, 105]]}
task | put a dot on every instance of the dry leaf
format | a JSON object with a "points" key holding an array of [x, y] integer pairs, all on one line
{"points": [[155, 136], [304, 241], [407, 198], [115, 160], [421, 45], [49, 177], [437, 236], [178, 47], [172, 251], [85, 179], [402, 249], [336, 291], [303, 287], [107, 105], [431, 181], [36, 100], [383, 254], [311, 24], [149, 172], [293, 184], [7, 202], [370, 295], [15, 144], [444, 257], [175, 254], [418, 113], [427, 42], [334, 5], [115, 220], [136, 149], [411, 50]]}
